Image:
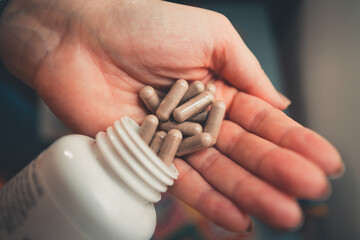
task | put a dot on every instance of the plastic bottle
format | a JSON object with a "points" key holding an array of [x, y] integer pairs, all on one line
{"points": [[82, 188]]}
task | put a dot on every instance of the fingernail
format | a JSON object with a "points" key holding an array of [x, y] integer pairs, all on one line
{"points": [[250, 230], [339, 173], [286, 101]]}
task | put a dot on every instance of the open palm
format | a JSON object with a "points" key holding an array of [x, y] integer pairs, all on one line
{"points": [[88, 60]]}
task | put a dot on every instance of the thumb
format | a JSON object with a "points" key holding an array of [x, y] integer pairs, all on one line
{"points": [[233, 60]]}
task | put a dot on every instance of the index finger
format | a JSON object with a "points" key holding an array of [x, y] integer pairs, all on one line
{"points": [[234, 61]]}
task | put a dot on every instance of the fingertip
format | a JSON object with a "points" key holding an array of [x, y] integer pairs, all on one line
{"points": [[321, 190], [338, 173], [299, 225], [315, 183], [273, 97], [288, 217], [284, 102], [293, 218], [251, 229], [331, 159], [336, 167], [228, 216], [318, 187]]}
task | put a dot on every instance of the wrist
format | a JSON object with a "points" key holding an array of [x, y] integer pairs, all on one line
{"points": [[15, 34], [32, 30], [28, 34]]}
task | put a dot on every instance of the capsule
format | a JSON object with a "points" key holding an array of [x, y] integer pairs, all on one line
{"points": [[172, 99], [150, 98], [186, 128], [210, 87], [148, 128], [170, 146], [194, 143], [157, 141], [200, 117], [193, 106], [195, 88], [215, 118]]}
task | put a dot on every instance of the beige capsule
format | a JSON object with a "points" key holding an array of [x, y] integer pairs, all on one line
{"points": [[172, 99], [195, 88], [215, 118], [210, 87], [186, 128], [194, 143], [150, 98], [148, 128], [193, 106], [170, 146], [200, 117], [157, 141]]}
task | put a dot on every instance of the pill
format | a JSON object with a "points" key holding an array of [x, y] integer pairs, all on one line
{"points": [[200, 117], [210, 87], [215, 118], [195, 88], [150, 98], [186, 128], [157, 141], [148, 128], [194, 143], [170, 146], [172, 99], [193, 106]]}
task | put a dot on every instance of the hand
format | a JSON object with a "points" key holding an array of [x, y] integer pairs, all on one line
{"points": [[88, 60]]}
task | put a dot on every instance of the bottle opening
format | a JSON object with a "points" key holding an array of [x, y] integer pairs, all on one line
{"points": [[133, 161]]}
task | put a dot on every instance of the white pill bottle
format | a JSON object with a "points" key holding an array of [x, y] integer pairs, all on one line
{"points": [[82, 188]]}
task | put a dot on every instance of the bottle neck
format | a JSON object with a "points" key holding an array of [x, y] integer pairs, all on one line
{"points": [[133, 162]]}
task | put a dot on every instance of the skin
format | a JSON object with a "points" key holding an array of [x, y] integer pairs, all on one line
{"points": [[88, 60]]}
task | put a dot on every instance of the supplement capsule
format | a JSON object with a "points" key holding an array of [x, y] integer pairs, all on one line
{"points": [[193, 106], [170, 146], [210, 87], [194, 143], [157, 141], [215, 118], [195, 88], [150, 98], [200, 117], [148, 128], [172, 99], [186, 128]]}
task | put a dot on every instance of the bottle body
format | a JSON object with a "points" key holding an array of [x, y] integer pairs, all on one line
{"points": [[78, 195], [27, 211]]}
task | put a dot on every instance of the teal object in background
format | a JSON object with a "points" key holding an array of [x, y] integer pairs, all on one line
{"points": [[19, 140]]}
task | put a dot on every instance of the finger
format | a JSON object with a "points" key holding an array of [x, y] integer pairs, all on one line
{"points": [[250, 193], [193, 190], [258, 117], [284, 168], [238, 65]]}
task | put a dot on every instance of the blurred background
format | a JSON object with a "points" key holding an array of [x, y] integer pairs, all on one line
{"points": [[309, 49]]}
